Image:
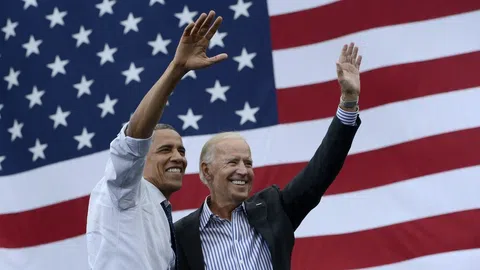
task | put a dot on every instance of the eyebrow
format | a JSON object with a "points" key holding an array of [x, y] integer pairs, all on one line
{"points": [[170, 146], [237, 158]]}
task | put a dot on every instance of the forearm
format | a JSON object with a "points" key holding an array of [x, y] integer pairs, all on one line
{"points": [[306, 189], [150, 109]]}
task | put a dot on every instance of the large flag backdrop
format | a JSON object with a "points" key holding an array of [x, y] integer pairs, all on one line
{"points": [[72, 72]]}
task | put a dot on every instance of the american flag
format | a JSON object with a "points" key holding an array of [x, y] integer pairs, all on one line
{"points": [[72, 72]]}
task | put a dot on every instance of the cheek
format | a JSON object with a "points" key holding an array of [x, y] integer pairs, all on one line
{"points": [[159, 166]]}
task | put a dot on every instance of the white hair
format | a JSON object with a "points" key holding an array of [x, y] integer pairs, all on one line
{"points": [[208, 150]]}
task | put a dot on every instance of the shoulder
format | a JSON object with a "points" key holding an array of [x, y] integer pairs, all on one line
{"points": [[269, 194], [188, 220]]}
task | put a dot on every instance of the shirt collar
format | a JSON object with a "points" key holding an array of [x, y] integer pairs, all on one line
{"points": [[158, 197], [207, 214]]}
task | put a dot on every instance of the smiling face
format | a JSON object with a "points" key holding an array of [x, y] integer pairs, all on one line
{"points": [[165, 162], [229, 175]]}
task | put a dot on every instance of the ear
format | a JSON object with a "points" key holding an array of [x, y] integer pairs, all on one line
{"points": [[206, 171]]}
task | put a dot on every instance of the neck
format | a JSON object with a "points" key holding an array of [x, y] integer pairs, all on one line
{"points": [[166, 193], [222, 209]]}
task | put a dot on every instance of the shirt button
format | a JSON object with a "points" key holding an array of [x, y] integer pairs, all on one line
{"points": [[241, 261]]}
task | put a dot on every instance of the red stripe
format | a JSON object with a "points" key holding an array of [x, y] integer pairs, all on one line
{"points": [[391, 164], [396, 163], [382, 86], [389, 244], [44, 225], [376, 168], [349, 16]]}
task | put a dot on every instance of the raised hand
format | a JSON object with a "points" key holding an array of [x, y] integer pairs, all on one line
{"points": [[192, 49], [348, 74]]}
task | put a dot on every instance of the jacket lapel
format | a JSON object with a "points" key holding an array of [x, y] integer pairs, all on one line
{"points": [[257, 216], [192, 246]]}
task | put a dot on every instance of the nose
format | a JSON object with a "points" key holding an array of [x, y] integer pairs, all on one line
{"points": [[242, 169], [176, 156]]}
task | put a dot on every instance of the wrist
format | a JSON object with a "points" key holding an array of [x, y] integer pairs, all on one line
{"points": [[177, 69], [349, 97], [349, 102]]}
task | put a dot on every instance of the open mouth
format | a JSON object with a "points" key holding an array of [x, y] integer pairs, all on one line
{"points": [[174, 170], [239, 182]]}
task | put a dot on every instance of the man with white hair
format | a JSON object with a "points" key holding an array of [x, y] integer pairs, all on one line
{"points": [[232, 231]]}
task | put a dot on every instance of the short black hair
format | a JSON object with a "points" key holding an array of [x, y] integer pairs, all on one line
{"points": [[164, 126], [161, 126]]}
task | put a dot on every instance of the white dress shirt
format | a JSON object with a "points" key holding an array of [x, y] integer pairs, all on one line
{"points": [[127, 227]]}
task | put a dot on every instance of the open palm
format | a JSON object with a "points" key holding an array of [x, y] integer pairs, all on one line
{"points": [[192, 49], [348, 67]]}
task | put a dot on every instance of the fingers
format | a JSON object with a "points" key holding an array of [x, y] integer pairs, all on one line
{"points": [[188, 29], [350, 49], [354, 55], [206, 24], [350, 55], [211, 32], [358, 62], [201, 19], [343, 54]]}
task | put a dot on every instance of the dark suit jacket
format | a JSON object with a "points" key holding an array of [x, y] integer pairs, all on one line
{"points": [[276, 213]]}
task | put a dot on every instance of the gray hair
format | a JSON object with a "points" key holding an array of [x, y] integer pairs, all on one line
{"points": [[208, 149]]}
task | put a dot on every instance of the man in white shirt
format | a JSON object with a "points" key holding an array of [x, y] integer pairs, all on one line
{"points": [[129, 222]]}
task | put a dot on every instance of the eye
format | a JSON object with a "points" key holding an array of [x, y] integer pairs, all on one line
{"points": [[163, 150]]}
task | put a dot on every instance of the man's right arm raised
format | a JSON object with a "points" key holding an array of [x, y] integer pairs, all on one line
{"points": [[128, 150]]}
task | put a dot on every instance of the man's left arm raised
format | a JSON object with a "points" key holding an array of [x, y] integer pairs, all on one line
{"points": [[306, 189]]}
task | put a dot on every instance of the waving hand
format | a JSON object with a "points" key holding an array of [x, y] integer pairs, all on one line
{"points": [[192, 49], [348, 74]]}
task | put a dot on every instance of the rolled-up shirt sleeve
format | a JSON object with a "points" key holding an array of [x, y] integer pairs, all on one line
{"points": [[124, 169]]}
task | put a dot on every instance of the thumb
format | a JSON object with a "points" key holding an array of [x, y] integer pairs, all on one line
{"points": [[218, 58], [339, 70]]}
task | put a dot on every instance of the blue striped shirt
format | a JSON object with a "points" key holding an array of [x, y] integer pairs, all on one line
{"points": [[346, 117], [235, 244], [232, 244]]}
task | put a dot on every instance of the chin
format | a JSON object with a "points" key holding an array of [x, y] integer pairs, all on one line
{"points": [[240, 197], [176, 186]]}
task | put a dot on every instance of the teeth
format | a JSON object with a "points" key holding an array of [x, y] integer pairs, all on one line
{"points": [[173, 170], [238, 182]]}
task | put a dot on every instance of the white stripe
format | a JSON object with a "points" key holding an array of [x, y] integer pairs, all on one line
{"points": [[380, 47], [468, 259], [395, 203], [390, 204], [381, 126], [68, 254], [279, 7], [71, 254]]}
